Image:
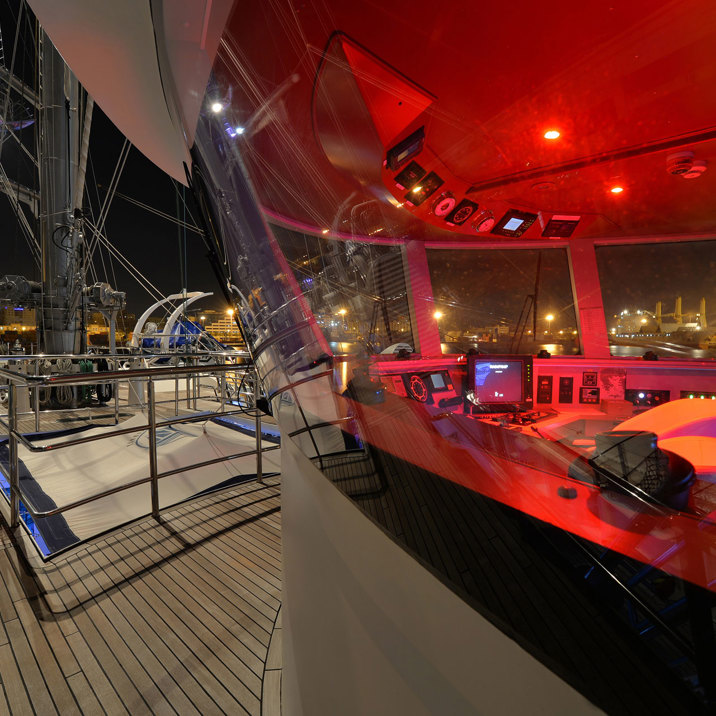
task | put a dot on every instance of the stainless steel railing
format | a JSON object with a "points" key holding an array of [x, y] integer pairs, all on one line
{"points": [[229, 377]]}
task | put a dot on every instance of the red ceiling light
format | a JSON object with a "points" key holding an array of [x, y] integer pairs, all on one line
{"points": [[617, 189], [552, 134]]}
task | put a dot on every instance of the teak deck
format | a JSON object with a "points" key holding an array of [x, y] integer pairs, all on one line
{"points": [[177, 616]]}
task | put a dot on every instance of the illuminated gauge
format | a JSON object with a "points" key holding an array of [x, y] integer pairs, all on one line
{"points": [[444, 204], [484, 222], [418, 389]]}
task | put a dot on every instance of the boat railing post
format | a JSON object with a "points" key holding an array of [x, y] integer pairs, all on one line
{"points": [[188, 387], [152, 448], [222, 391], [259, 454], [116, 394], [12, 448], [176, 394], [196, 378], [37, 397]]}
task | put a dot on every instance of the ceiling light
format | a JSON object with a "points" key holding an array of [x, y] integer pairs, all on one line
{"points": [[616, 189], [325, 231], [417, 189], [551, 134]]}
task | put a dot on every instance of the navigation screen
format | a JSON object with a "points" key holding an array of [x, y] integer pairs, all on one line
{"points": [[498, 381], [514, 224]]}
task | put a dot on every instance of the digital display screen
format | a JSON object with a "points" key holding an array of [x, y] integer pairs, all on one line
{"points": [[409, 147], [514, 224], [438, 381], [497, 380]]}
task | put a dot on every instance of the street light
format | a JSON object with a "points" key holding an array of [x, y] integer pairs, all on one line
{"points": [[549, 318], [437, 315]]}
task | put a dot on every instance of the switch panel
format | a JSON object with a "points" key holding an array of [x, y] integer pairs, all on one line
{"points": [[566, 389]]}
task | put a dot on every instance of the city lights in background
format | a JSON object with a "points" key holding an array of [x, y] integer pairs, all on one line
{"points": [[229, 311]]}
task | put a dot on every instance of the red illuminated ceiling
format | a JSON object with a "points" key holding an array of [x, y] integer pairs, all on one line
{"points": [[627, 83]]}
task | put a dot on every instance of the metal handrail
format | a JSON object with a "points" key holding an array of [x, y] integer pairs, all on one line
{"points": [[17, 381]]}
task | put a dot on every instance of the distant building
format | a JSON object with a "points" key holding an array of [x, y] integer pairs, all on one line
{"points": [[15, 318]]}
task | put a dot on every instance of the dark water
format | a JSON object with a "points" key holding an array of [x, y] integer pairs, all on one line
{"points": [[662, 349]]}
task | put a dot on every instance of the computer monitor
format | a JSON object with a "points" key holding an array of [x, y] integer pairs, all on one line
{"points": [[495, 379]]}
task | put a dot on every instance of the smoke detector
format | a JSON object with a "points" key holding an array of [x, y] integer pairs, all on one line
{"points": [[683, 164]]}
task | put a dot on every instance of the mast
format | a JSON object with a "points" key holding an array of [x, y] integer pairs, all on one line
{"points": [[59, 326]]}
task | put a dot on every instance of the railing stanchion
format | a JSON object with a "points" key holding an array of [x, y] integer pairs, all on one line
{"points": [[37, 398], [259, 454], [116, 395], [195, 377], [154, 484], [12, 449], [176, 394]]}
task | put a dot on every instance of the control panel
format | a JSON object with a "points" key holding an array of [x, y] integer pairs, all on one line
{"points": [[647, 398], [544, 389], [589, 396], [566, 389]]}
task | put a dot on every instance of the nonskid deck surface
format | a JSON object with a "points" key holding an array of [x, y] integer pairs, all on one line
{"points": [[177, 616]]}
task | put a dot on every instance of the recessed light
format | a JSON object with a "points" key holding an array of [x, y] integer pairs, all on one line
{"points": [[552, 134], [616, 189]]}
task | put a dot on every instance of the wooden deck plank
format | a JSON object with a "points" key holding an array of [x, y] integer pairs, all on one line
{"points": [[223, 559], [153, 618], [126, 603], [95, 674], [208, 636], [60, 647], [271, 702], [4, 708], [51, 671], [29, 669], [236, 608], [203, 604], [211, 674], [15, 692], [261, 575], [84, 694]]}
